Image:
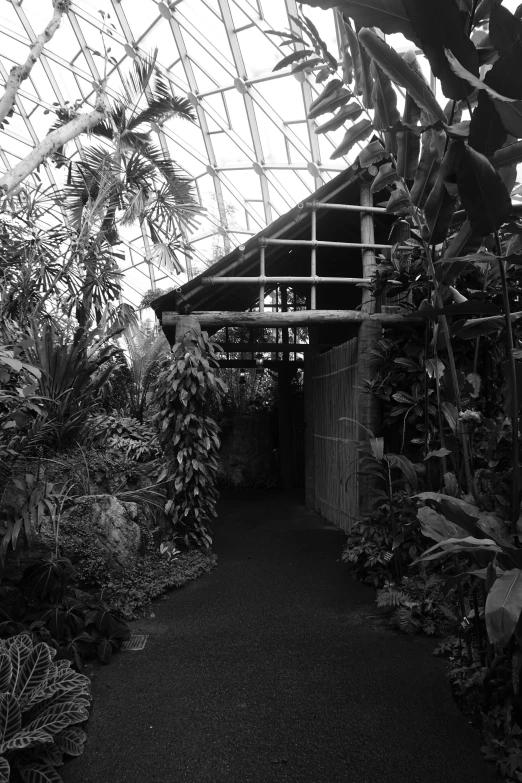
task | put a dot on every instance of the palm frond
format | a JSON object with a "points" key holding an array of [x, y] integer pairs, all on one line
{"points": [[139, 78], [161, 108]]}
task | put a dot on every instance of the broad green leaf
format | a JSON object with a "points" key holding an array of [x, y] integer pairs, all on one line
{"points": [[34, 670], [25, 739], [331, 98], [357, 133], [71, 740], [436, 526], [486, 132], [384, 99], [437, 453], [503, 607], [10, 717], [386, 176], [399, 201], [506, 77], [429, 164], [440, 25], [484, 196], [452, 545], [477, 83], [349, 113], [388, 15], [301, 54], [39, 772], [504, 28], [401, 73], [477, 327], [363, 80], [507, 156], [440, 204], [372, 153], [6, 672]]}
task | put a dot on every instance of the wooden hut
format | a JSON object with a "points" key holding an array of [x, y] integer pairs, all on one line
{"points": [[318, 254]]}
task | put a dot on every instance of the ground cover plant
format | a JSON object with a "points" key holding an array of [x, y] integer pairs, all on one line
{"points": [[86, 426], [41, 704], [444, 165]]}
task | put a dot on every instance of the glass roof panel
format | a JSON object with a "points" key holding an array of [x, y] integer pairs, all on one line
{"points": [[251, 150]]}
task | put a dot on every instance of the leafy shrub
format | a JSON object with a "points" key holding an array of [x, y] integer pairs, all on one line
{"points": [[418, 605], [152, 576], [136, 440], [374, 552], [40, 704], [78, 625]]}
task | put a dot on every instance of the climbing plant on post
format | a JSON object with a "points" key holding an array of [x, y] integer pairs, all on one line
{"points": [[189, 392]]}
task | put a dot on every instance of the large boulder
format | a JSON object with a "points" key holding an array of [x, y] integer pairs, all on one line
{"points": [[111, 525]]}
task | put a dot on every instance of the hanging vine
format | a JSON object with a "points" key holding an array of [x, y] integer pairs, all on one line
{"points": [[189, 393]]}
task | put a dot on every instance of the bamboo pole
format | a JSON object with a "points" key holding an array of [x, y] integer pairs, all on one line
{"points": [[263, 280], [313, 261], [218, 319], [368, 412], [345, 207], [324, 243]]}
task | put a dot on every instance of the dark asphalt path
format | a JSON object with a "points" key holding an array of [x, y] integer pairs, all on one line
{"points": [[270, 669]]}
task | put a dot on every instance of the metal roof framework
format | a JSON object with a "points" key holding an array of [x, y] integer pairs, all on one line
{"points": [[253, 155]]}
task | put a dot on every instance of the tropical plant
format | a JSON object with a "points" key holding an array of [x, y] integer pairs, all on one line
{"points": [[188, 390], [72, 373], [143, 353], [128, 179], [41, 703], [447, 179]]}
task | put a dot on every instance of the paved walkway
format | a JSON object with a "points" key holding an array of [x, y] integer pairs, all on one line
{"points": [[269, 669]]}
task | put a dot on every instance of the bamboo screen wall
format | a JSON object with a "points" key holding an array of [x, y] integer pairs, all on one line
{"points": [[335, 379]]}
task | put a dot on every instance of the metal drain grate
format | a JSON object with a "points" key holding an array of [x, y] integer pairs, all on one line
{"points": [[135, 642]]}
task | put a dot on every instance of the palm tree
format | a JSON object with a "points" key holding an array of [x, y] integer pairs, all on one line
{"points": [[139, 181]]}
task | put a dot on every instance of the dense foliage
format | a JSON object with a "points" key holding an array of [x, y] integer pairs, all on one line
{"points": [[41, 705], [189, 394], [449, 383]]}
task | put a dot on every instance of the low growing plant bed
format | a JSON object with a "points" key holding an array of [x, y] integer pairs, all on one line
{"points": [[131, 593]]}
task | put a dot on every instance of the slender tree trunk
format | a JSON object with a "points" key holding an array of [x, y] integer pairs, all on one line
{"points": [[52, 142], [21, 72]]}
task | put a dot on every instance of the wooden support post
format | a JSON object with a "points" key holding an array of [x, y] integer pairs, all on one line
{"points": [[187, 325], [309, 434], [284, 375], [368, 409]]}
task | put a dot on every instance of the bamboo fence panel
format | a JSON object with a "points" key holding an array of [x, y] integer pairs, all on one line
{"points": [[335, 396]]}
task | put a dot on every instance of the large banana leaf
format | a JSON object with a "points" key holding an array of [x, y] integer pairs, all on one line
{"points": [[400, 72], [503, 606], [388, 15]]}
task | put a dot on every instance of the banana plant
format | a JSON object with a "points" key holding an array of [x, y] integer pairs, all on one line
{"points": [[460, 527], [448, 178]]}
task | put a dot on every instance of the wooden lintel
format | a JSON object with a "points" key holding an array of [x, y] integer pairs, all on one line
{"points": [[269, 347], [268, 364], [218, 319]]}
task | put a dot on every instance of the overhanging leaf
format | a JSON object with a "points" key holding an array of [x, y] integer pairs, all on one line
{"points": [[486, 133], [301, 54], [372, 153], [483, 194], [349, 113], [503, 606], [440, 25], [384, 99], [358, 132], [507, 156], [386, 176], [388, 15], [477, 83], [400, 72]]}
